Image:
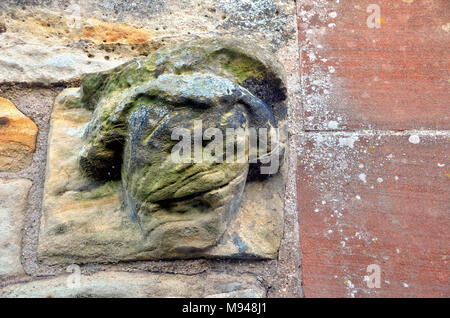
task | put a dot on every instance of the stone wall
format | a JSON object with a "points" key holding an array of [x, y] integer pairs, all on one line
{"points": [[368, 152], [46, 46]]}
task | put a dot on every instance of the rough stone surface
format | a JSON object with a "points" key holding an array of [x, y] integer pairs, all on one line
{"points": [[139, 285], [13, 204], [161, 22], [55, 41], [41, 63], [17, 138], [161, 209]]}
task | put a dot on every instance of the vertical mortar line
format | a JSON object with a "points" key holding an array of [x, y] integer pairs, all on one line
{"points": [[296, 144], [300, 58]]}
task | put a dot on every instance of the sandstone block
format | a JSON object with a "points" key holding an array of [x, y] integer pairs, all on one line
{"points": [[17, 138], [13, 202]]}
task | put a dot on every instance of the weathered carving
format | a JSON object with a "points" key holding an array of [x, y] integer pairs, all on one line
{"points": [[175, 209]]}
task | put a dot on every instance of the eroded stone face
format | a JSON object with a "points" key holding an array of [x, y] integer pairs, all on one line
{"points": [[122, 130]]}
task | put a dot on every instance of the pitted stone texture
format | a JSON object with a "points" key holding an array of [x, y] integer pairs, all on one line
{"points": [[13, 203], [47, 42], [139, 285], [41, 63], [17, 138]]}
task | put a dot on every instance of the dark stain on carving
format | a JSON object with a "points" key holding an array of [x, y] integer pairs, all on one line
{"points": [[271, 91], [159, 71], [239, 243], [4, 121]]}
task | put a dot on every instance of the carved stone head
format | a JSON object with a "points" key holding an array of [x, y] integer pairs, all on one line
{"points": [[182, 207]]}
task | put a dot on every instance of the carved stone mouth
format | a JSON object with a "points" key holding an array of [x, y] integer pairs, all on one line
{"points": [[173, 201]]}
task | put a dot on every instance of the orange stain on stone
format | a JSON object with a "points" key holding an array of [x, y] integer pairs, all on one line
{"points": [[57, 27], [15, 127], [115, 33]]}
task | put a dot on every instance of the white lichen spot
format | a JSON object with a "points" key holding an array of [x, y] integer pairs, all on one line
{"points": [[405, 285], [331, 69], [332, 14], [362, 177], [348, 141], [312, 56], [358, 197], [414, 139], [379, 180], [333, 124], [440, 165], [349, 283], [350, 287], [396, 178]]}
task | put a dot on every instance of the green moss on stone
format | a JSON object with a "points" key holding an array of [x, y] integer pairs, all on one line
{"points": [[240, 65], [128, 77], [183, 70], [91, 88]]}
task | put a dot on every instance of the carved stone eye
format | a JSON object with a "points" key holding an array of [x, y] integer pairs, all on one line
{"points": [[151, 202]]}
